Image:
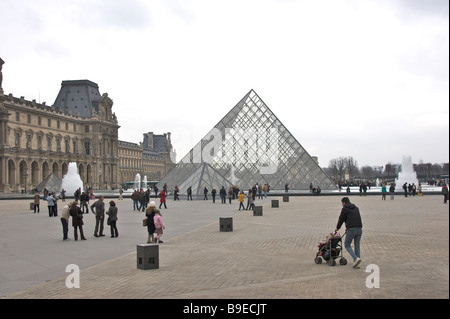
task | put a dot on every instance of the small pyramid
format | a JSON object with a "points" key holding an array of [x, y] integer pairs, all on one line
{"points": [[251, 146], [204, 176], [52, 183]]}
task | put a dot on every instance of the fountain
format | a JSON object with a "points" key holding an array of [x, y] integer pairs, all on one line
{"points": [[407, 175], [233, 177], [144, 182], [137, 181], [72, 180]]}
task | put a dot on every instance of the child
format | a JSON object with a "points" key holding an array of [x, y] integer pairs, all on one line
{"points": [[241, 200], [159, 226]]}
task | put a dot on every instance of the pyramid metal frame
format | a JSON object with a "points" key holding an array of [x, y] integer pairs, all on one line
{"points": [[250, 146]]}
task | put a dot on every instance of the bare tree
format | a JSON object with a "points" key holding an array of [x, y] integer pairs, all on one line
{"points": [[351, 165]]}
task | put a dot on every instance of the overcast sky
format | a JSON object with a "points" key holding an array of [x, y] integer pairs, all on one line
{"points": [[361, 78]]}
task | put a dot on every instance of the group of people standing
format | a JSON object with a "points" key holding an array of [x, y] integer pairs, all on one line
{"points": [[98, 209], [154, 223]]}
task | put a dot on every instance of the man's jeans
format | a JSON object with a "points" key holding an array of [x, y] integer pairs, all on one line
{"points": [[353, 234]]}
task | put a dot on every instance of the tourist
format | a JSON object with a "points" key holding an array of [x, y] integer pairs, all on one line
{"points": [[98, 209], [62, 195], [37, 200], [112, 219], [350, 215], [444, 192], [250, 202], [55, 208], [135, 198], [223, 195], [392, 190], [189, 193], [205, 191], [51, 205], [121, 194], [230, 194], [419, 190], [405, 188], [159, 226], [77, 194], [84, 199], [65, 220], [77, 220], [286, 187], [265, 189], [162, 199], [175, 193], [141, 200], [413, 189], [383, 191], [213, 194], [150, 213], [241, 200]]}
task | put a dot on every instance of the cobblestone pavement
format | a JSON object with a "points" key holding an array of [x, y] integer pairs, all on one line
{"points": [[272, 256]]}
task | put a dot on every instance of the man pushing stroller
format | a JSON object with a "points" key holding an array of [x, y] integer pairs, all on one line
{"points": [[350, 215]]}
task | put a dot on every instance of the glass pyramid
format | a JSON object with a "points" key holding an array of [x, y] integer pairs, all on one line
{"points": [[248, 146]]}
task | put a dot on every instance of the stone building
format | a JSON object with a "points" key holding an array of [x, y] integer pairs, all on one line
{"points": [[153, 157], [37, 140]]}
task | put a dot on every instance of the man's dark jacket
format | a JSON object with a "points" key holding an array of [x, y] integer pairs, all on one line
{"points": [[350, 215]]}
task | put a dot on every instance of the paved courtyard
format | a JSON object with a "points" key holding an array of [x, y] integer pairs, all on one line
{"points": [[405, 241]]}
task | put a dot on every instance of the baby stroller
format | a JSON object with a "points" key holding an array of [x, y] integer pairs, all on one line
{"points": [[330, 250]]}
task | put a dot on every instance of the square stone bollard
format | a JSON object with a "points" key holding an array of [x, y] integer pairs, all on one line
{"points": [[286, 198], [226, 223], [258, 211], [275, 203], [148, 256]]}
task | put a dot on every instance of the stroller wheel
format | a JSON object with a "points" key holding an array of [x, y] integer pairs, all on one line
{"points": [[343, 261], [318, 260], [331, 262]]}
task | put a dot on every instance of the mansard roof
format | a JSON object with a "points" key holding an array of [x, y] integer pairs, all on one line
{"points": [[78, 97]]}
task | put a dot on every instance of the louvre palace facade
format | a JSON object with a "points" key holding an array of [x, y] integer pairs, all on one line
{"points": [[37, 140]]}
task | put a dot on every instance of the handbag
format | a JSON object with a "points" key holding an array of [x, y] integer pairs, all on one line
{"points": [[108, 222], [80, 216], [144, 222]]}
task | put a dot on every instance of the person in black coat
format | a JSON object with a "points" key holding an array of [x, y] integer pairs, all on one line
{"points": [[150, 213], [77, 220], [352, 218]]}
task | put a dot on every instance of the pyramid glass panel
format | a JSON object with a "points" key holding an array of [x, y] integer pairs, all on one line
{"points": [[248, 146]]}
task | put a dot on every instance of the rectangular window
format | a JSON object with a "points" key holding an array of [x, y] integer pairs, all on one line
{"points": [[87, 148], [86, 128]]}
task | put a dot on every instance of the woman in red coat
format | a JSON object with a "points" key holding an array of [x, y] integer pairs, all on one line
{"points": [[162, 200]]}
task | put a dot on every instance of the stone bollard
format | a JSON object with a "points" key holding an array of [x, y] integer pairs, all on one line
{"points": [[226, 223], [286, 198], [275, 203], [148, 256], [258, 211]]}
